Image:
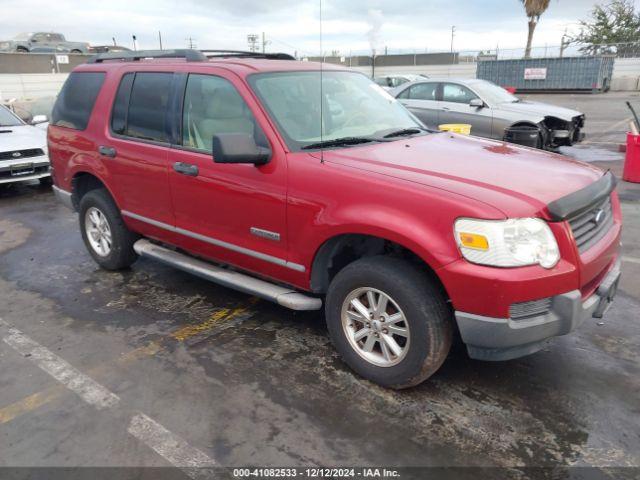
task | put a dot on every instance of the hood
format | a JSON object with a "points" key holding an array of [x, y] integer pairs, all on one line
{"points": [[517, 181], [22, 137], [541, 109]]}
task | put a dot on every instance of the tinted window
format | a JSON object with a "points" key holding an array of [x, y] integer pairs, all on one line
{"points": [[121, 104], [423, 91], [452, 92], [147, 114], [76, 99], [212, 106]]}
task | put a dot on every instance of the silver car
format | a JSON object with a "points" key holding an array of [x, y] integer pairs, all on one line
{"points": [[491, 111], [43, 42]]}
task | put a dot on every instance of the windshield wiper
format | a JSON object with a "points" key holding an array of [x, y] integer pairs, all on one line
{"points": [[404, 131], [338, 142]]}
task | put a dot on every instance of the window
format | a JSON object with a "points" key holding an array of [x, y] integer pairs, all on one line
{"points": [[121, 105], [76, 99], [55, 37], [147, 113], [423, 91], [8, 119], [452, 92], [39, 37], [212, 106], [397, 81]]}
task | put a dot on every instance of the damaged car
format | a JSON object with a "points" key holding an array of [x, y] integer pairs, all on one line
{"points": [[492, 112]]}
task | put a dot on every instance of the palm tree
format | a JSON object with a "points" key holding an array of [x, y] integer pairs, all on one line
{"points": [[534, 9]]}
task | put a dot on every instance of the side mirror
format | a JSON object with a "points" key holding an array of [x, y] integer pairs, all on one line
{"points": [[238, 148], [476, 103], [39, 119]]}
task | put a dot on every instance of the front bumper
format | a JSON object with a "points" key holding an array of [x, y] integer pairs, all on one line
{"points": [[20, 170], [494, 339]]}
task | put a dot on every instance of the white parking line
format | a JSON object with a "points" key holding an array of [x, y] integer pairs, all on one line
{"points": [[88, 389], [630, 259], [170, 446]]}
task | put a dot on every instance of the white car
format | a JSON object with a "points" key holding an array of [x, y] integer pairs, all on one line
{"points": [[23, 149]]}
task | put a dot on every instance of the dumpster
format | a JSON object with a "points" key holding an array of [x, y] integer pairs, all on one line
{"points": [[592, 74], [631, 172]]}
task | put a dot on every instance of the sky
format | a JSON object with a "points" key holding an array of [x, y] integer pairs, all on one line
{"points": [[348, 26]]}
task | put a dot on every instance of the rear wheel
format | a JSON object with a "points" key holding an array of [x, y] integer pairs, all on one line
{"points": [[389, 321], [105, 235]]}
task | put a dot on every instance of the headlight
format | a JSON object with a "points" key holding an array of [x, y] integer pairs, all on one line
{"points": [[507, 243]]}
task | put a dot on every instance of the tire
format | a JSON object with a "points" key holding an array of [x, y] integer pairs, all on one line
{"points": [[120, 253], [22, 50], [415, 296]]}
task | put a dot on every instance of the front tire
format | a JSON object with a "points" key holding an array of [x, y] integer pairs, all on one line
{"points": [[105, 235], [389, 321]]}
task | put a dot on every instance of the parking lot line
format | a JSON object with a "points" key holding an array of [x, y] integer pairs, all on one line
{"points": [[218, 317], [30, 403], [168, 445], [630, 259], [88, 389]]}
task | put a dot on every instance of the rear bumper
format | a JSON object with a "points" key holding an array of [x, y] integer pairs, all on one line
{"points": [[489, 338]]}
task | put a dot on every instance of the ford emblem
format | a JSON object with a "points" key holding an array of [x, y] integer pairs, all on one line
{"points": [[598, 217]]}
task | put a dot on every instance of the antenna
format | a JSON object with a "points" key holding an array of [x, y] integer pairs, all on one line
{"points": [[321, 93]]}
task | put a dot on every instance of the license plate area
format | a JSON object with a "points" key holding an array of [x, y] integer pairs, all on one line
{"points": [[606, 298], [20, 169]]}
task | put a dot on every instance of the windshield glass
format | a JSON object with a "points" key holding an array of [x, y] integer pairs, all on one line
{"points": [[352, 106], [492, 93], [8, 119]]}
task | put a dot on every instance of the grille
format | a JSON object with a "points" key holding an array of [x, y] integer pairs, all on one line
{"points": [[521, 311], [587, 231], [32, 152]]}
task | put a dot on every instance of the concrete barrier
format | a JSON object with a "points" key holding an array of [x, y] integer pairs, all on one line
{"points": [[30, 85]]}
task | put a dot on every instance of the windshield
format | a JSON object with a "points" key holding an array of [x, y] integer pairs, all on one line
{"points": [[8, 119], [492, 93], [352, 106]]}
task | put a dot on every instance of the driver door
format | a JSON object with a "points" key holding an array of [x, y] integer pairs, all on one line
{"points": [[455, 108], [421, 100]]}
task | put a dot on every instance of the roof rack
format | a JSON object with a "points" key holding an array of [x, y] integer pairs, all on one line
{"points": [[246, 54], [188, 54]]}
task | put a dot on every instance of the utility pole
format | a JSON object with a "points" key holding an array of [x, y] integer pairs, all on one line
{"points": [[160, 38], [265, 42], [453, 34], [135, 42], [563, 43], [191, 43], [114, 41]]}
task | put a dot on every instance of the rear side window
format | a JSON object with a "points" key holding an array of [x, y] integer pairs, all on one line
{"points": [[423, 91], [121, 105], [76, 99], [147, 113]]}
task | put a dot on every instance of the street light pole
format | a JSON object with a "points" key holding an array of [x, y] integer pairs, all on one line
{"points": [[453, 34]]}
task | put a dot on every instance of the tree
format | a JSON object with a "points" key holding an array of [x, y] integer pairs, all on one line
{"points": [[616, 22], [534, 10]]}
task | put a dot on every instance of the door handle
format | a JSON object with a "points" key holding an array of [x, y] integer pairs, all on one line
{"points": [[107, 151], [186, 169]]}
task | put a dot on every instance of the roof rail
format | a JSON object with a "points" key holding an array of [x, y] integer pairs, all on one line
{"points": [[247, 54], [188, 54]]}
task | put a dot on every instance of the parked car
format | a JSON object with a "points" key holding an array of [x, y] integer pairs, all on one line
{"points": [[490, 110], [404, 234], [43, 42], [23, 149], [392, 81]]}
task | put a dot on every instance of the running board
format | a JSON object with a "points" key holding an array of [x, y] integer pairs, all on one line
{"points": [[284, 296]]}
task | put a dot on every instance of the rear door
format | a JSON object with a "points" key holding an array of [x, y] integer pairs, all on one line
{"points": [[235, 213], [422, 100], [137, 144], [455, 108]]}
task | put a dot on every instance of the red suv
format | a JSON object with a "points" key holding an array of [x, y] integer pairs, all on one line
{"points": [[302, 183]]}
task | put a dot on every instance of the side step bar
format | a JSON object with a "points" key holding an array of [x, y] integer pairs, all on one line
{"points": [[284, 296]]}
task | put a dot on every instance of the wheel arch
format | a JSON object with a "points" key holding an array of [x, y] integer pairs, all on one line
{"points": [[341, 249], [82, 182]]}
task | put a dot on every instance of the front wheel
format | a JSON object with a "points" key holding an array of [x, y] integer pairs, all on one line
{"points": [[105, 235], [389, 321]]}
